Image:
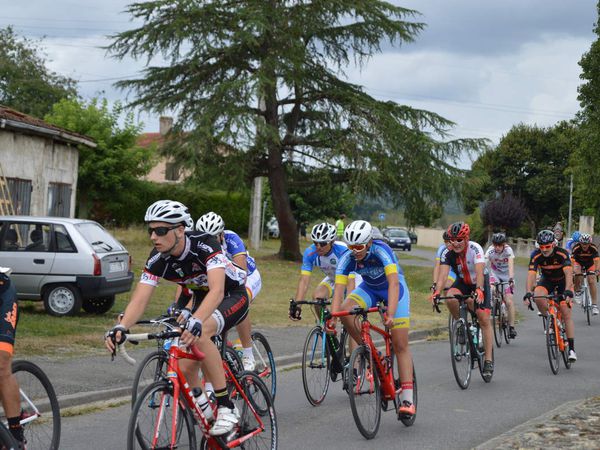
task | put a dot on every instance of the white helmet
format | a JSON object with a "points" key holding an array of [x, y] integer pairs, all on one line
{"points": [[189, 224], [167, 211], [323, 232], [210, 223], [358, 232]]}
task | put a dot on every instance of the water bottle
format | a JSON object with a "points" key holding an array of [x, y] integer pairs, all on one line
{"points": [[203, 403], [167, 344], [237, 346], [474, 334]]}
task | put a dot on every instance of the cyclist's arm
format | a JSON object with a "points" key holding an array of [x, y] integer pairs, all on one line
{"points": [[511, 268], [393, 293], [241, 260], [568, 271], [479, 273], [341, 281], [531, 275], [216, 292], [351, 283], [302, 286], [436, 270], [137, 304], [442, 277]]}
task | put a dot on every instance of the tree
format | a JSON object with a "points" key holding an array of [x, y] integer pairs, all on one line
{"points": [[26, 84], [503, 213], [259, 84], [107, 172]]}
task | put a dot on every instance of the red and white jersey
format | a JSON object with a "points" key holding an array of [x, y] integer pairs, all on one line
{"points": [[464, 263], [499, 261]]}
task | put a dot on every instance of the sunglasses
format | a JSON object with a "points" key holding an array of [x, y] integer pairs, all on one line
{"points": [[321, 244], [456, 241], [546, 247], [161, 231], [357, 247]]}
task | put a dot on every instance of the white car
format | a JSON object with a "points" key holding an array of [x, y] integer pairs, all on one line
{"points": [[272, 228]]}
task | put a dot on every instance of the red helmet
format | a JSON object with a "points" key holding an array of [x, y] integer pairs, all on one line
{"points": [[459, 230]]}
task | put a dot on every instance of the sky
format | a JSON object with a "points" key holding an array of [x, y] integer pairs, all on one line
{"points": [[485, 65]]}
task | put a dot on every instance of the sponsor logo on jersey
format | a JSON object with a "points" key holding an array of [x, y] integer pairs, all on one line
{"points": [[205, 247], [333, 261], [149, 277], [195, 267]]}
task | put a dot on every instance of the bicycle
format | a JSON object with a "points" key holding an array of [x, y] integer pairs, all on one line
{"points": [[586, 298], [500, 313], [40, 412], [466, 341], [375, 388], [7, 441], [265, 361], [166, 414], [324, 357], [556, 332]]}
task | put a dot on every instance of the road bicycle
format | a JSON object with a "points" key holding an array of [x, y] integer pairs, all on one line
{"points": [[373, 376], [40, 412], [500, 313], [6, 439], [466, 341], [586, 298], [556, 332], [324, 356], [166, 415]]}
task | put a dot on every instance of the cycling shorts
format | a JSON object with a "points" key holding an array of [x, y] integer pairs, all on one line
{"points": [[577, 267], [330, 283], [253, 284], [466, 289], [499, 279], [232, 310], [8, 314], [368, 297], [550, 286]]}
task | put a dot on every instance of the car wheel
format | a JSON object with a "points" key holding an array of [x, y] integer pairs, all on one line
{"points": [[62, 300], [408, 248], [98, 305]]}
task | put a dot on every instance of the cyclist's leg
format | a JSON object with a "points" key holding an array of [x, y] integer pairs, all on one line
{"points": [[577, 280], [543, 287], [358, 297], [323, 290], [592, 285], [244, 328]]}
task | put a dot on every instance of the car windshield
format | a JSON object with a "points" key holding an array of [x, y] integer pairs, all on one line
{"points": [[397, 233], [99, 238]]}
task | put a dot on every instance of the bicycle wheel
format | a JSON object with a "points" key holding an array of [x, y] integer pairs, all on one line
{"points": [[408, 421], [497, 322], [460, 353], [587, 305], [258, 412], [364, 392], [505, 326], [551, 345], [565, 352], [265, 362], [152, 368], [6, 439], [40, 413], [343, 355], [315, 367], [151, 423]]}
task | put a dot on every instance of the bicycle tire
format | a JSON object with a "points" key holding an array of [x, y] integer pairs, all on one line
{"points": [[158, 399], [460, 353], [409, 421], [345, 354], [152, 368], [497, 322], [265, 362], [315, 367], [551, 345], [35, 385], [588, 306], [6, 439], [565, 352], [362, 374], [505, 325]]}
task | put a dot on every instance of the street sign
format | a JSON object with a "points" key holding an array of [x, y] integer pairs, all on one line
{"points": [[381, 216]]}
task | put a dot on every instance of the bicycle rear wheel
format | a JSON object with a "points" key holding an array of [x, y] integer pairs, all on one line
{"points": [[364, 392], [265, 362], [151, 422], [152, 368], [40, 412], [460, 353], [551, 345], [497, 322], [587, 305], [315, 367], [6, 440]]}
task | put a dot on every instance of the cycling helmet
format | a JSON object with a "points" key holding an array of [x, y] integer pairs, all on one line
{"points": [[446, 236], [189, 224], [498, 238], [167, 211], [459, 230], [210, 223], [358, 232], [575, 236], [585, 238], [545, 237], [323, 232]]}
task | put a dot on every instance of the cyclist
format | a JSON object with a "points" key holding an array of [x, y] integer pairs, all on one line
{"points": [[436, 267], [557, 274], [9, 387], [325, 253], [234, 248], [501, 260], [382, 281], [574, 239], [584, 257], [220, 298], [466, 259]]}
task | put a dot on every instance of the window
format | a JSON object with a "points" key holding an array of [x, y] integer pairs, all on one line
{"points": [[59, 199], [20, 193], [25, 237], [63, 244]]}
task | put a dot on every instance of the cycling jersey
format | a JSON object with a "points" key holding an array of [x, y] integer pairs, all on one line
{"points": [[234, 246], [570, 244], [327, 263], [463, 264], [8, 314], [499, 261], [584, 258], [438, 254], [551, 267], [379, 262]]}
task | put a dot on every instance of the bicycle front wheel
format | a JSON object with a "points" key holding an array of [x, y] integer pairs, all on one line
{"points": [[265, 362], [460, 353], [315, 367], [364, 392], [152, 368], [152, 424], [587, 305], [552, 345], [40, 413], [497, 322], [566, 348]]}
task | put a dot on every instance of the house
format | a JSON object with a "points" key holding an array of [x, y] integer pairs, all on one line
{"points": [[40, 163]]}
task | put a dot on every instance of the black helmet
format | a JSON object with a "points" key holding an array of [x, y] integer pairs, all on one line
{"points": [[498, 238], [545, 237], [446, 236]]}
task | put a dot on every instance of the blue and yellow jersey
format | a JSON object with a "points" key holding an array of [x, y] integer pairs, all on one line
{"points": [[234, 246], [327, 263]]}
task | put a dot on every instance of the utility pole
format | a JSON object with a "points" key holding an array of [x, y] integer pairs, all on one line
{"points": [[255, 226], [570, 207]]}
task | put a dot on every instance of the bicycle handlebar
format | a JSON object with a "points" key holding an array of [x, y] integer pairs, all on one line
{"points": [[459, 297], [355, 311], [317, 301]]}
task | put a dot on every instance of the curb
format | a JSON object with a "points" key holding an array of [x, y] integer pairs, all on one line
{"points": [[282, 363]]}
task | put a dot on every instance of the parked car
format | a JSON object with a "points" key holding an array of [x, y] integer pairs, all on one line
{"points": [[377, 234], [398, 238], [411, 234], [67, 263], [272, 228]]}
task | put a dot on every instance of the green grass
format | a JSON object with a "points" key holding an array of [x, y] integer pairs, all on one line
{"points": [[39, 333]]}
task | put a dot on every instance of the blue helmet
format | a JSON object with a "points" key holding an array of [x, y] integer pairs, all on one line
{"points": [[575, 236]]}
